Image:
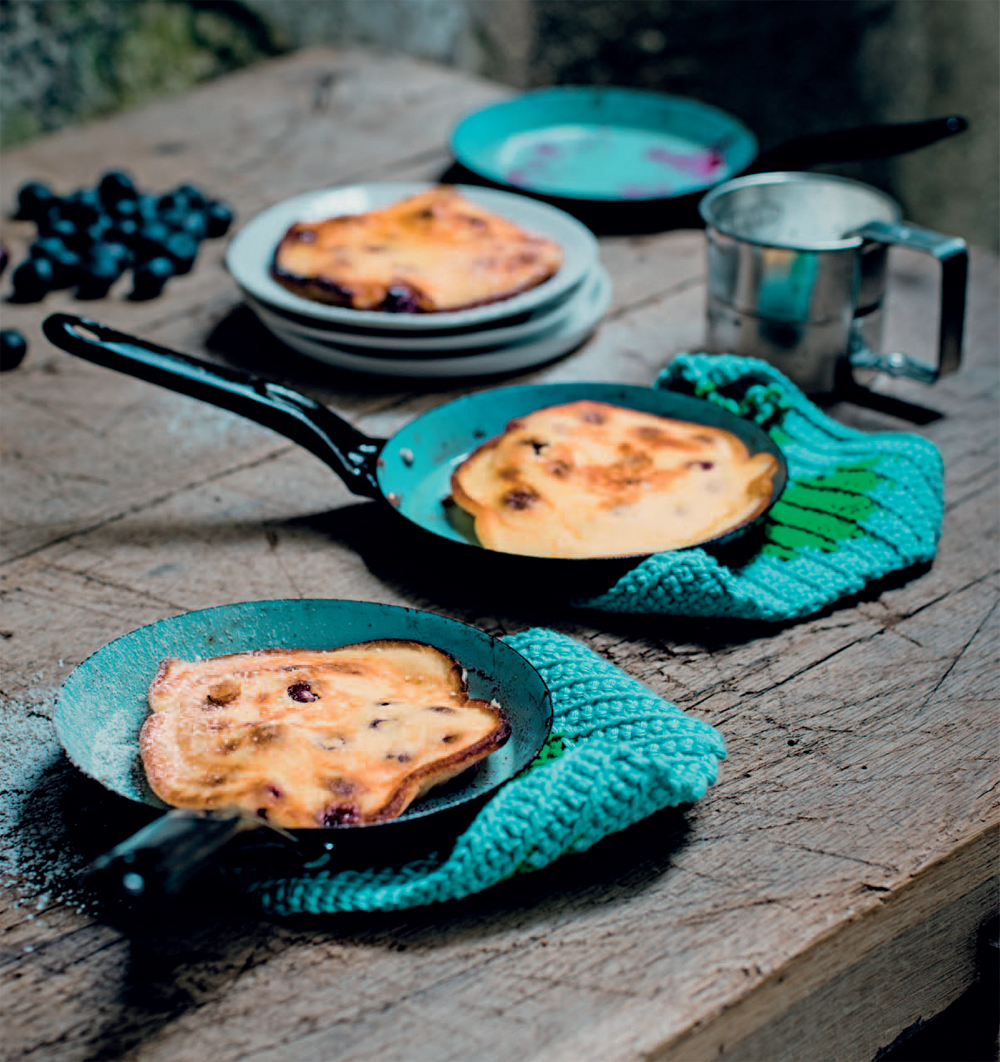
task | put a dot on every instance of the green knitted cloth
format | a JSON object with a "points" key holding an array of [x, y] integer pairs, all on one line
{"points": [[616, 754], [856, 507]]}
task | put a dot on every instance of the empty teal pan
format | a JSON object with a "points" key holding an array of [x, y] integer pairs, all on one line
{"points": [[632, 160], [617, 144], [103, 704], [602, 142], [410, 473]]}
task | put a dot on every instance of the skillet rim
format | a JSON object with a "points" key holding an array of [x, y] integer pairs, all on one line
{"points": [[476, 161], [394, 446], [415, 817]]}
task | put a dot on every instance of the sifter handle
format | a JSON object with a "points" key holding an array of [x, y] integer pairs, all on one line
{"points": [[953, 256]]}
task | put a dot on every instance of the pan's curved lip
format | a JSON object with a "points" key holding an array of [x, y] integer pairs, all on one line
{"points": [[759, 441], [82, 673]]}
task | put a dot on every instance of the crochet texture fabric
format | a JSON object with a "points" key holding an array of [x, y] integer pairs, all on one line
{"points": [[616, 754], [856, 507]]}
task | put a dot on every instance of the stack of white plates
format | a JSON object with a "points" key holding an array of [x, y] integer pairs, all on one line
{"points": [[517, 333]]}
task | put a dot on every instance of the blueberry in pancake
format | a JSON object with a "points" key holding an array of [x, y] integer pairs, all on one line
{"points": [[433, 252], [590, 479], [314, 738]]}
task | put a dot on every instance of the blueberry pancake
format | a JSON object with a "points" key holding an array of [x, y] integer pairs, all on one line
{"points": [[429, 253], [589, 479], [313, 738]]}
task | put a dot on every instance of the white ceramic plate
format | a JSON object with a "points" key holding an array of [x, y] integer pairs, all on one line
{"points": [[511, 357], [390, 338], [251, 251], [539, 324]]}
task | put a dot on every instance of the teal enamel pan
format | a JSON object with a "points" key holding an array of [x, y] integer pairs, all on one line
{"points": [[103, 705], [624, 159], [617, 144], [409, 473]]}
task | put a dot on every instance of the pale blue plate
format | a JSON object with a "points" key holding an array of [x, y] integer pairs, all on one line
{"points": [[604, 143]]}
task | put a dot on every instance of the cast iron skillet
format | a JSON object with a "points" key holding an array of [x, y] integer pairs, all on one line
{"points": [[103, 704], [409, 473]]}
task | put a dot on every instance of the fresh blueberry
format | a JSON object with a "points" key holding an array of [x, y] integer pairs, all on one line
{"points": [[182, 249], [148, 241], [13, 347], [194, 222], [83, 207], [64, 260], [195, 197], [116, 187], [124, 230], [53, 223], [33, 279], [33, 199], [87, 236], [399, 299], [124, 208], [149, 278], [4, 257], [47, 247], [220, 217], [171, 218], [114, 249], [172, 202], [98, 274], [146, 206]]}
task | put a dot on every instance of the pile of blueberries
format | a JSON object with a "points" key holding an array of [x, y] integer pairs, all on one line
{"points": [[88, 239]]}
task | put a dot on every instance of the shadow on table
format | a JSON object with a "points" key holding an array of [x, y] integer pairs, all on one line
{"points": [[969, 1029], [189, 951], [68, 820], [241, 341], [620, 217], [430, 573]]}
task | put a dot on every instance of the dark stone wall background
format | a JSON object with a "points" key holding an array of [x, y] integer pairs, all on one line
{"points": [[794, 67], [786, 67], [63, 62]]}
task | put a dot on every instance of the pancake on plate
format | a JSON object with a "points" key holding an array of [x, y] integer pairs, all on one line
{"points": [[313, 738], [589, 479], [433, 252]]}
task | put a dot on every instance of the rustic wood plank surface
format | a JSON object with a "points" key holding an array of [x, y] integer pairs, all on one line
{"points": [[821, 898]]}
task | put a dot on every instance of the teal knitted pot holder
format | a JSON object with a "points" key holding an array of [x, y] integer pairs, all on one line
{"points": [[616, 754], [856, 507]]}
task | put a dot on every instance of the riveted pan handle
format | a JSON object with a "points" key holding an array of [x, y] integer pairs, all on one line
{"points": [[349, 452]]}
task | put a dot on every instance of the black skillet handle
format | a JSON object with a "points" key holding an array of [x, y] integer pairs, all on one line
{"points": [[853, 145], [350, 453], [158, 861]]}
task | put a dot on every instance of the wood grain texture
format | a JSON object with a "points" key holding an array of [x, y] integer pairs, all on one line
{"points": [[821, 898]]}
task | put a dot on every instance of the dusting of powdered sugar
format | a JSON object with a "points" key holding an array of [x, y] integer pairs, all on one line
{"points": [[35, 865]]}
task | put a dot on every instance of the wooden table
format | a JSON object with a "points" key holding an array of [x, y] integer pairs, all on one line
{"points": [[824, 895]]}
